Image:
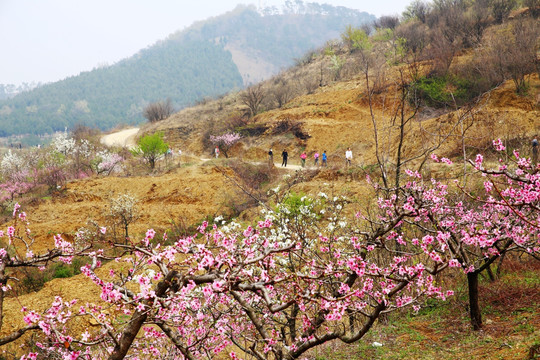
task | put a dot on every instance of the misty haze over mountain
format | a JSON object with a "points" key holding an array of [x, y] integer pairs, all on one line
{"points": [[207, 59]]}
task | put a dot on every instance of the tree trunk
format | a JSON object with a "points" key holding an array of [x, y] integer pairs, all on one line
{"points": [[474, 306], [490, 274], [126, 233], [137, 320], [499, 267], [128, 335], [3, 282]]}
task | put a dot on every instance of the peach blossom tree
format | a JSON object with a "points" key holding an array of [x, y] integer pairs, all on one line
{"points": [[306, 274], [225, 141]]}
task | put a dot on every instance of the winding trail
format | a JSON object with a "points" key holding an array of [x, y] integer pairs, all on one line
{"points": [[123, 138], [277, 165], [126, 138]]}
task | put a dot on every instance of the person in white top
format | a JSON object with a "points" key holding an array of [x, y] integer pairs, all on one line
{"points": [[348, 157]]}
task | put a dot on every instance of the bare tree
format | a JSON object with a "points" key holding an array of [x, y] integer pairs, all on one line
{"points": [[158, 111], [253, 98], [447, 29], [310, 84], [509, 52], [501, 8], [415, 36], [394, 115], [367, 27], [387, 22], [418, 9], [534, 7], [477, 19], [282, 93]]}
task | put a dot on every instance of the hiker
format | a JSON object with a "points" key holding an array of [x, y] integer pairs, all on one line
{"points": [[216, 151], [535, 152], [284, 155], [168, 156], [324, 158], [348, 157], [271, 157], [316, 156], [179, 156], [303, 156]]}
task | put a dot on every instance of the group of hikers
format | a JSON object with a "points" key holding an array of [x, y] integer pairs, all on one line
{"points": [[316, 156], [324, 156], [349, 156]]}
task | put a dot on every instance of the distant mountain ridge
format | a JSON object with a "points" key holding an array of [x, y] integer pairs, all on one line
{"points": [[207, 59]]}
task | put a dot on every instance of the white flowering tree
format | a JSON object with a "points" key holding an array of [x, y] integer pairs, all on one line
{"points": [[15, 177], [123, 210], [63, 144], [12, 163], [83, 155]]}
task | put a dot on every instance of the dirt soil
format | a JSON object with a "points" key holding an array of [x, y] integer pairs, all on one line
{"points": [[183, 195], [337, 116]]}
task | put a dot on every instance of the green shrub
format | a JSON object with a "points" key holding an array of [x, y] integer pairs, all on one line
{"points": [[442, 91], [61, 271], [32, 281], [293, 204], [151, 148]]}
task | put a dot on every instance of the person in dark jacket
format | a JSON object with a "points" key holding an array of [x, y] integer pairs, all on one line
{"points": [[285, 156], [271, 157]]}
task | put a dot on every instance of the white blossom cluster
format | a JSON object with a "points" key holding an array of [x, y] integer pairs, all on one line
{"points": [[11, 163], [63, 144], [231, 227], [123, 204], [83, 236], [83, 148]]}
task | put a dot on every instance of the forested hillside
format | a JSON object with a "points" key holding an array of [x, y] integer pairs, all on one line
{"points": [[192, 64], [108, 96]]}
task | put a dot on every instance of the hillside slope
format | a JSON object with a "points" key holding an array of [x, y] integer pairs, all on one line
{"points": [[205, 60], [337, 116]]}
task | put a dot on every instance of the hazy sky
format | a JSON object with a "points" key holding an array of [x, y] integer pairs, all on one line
{"points": [[48, 40]]}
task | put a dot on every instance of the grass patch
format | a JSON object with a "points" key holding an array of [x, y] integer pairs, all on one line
{"points": [[443, 91], [34, 279], [441, 329]]}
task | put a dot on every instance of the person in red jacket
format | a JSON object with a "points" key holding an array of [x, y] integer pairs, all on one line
{"points": [[303, 157]]}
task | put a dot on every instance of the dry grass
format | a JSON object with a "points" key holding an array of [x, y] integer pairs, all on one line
{"points": [[511, 311]]}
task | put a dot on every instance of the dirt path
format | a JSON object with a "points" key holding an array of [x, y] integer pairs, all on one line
{"points": [[293, 167], [124, 138], [277, 165]]}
